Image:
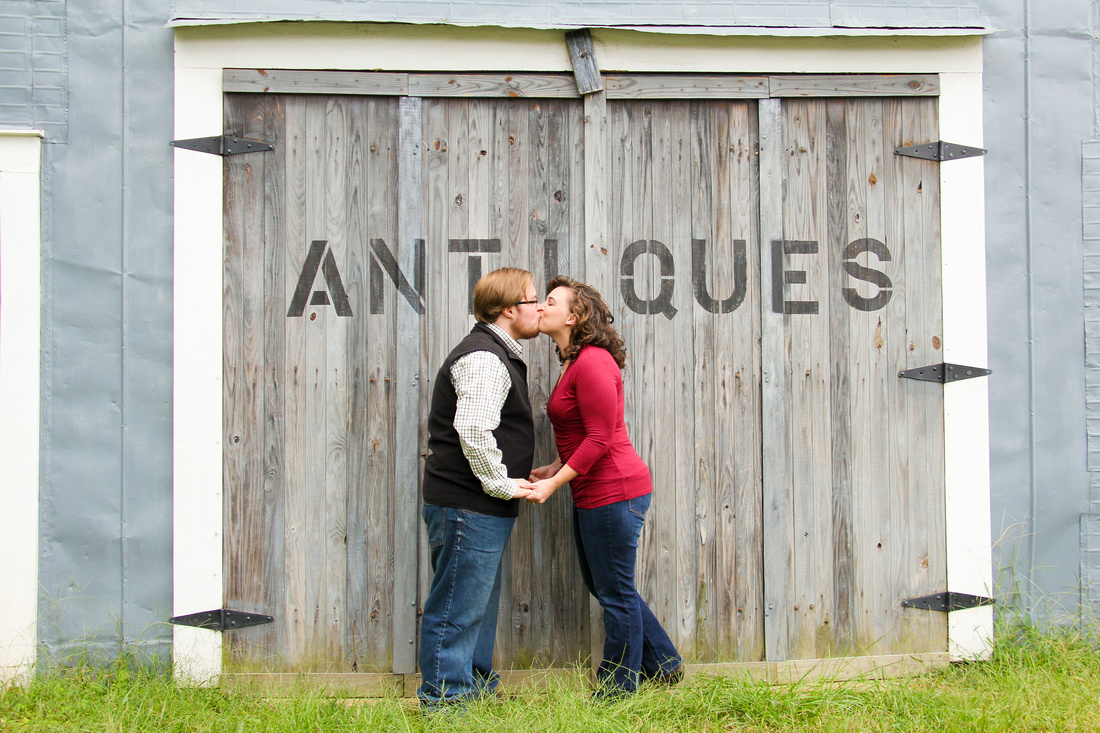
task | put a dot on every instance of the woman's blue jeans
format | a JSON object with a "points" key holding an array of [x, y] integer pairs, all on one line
{"points": [[636, 647], [459, 623]]}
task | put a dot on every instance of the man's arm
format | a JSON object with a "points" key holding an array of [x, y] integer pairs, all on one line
{"points": [[482, 383]]}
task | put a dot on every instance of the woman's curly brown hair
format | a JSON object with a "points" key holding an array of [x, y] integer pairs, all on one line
{"points": [[593, 324]]}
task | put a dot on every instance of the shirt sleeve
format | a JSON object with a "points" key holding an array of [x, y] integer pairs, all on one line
{"points": [[481, 384], [597, 387]]}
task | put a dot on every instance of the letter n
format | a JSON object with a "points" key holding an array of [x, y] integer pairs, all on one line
{"points": [[383, 259]]}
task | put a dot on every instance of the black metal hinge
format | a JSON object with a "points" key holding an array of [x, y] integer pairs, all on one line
{"points": [[943, 373], [221, 619], [948, 601], [223, 145], [939, 151]]}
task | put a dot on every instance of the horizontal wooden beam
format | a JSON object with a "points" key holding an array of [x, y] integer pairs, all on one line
{"points": [[854, 85], [297, 81], [618, 86], [685, 86], [492, 85]]}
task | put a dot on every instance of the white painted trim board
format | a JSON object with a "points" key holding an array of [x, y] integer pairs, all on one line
{"points": [[20, 396]]}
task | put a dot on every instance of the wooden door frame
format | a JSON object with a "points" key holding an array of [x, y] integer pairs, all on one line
{"points": [[204, 53]]}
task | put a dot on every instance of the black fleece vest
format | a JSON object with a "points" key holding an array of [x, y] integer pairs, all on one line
{"points": [[448, 479]]}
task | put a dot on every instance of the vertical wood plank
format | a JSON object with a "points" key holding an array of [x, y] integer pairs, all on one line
{"points": [[744, 422], [865, 450], [660, 453], [333, 385], [670, 423], [298, 619], [638, 224], [894, 333], [275, 235], [710, 221], [361, 458], [776, 486], [727, 357], [841, 508], [935, 502], [569, 596], [522, 623], [243, 367], [376, 381], [808, 353], [312, 435], [436, 188], [681, 624], [407, 438], [895, 117]]}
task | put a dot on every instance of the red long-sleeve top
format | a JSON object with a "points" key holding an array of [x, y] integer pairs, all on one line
{"points": [[586, 410]]}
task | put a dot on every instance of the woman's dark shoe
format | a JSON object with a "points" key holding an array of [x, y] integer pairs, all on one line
{"points": [[604, 696], [670, 678]]}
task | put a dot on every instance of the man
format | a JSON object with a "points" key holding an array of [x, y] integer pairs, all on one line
{"points": [[481, 441]]}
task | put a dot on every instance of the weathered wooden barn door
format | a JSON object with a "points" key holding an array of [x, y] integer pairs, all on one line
{"points": [[853, 455], [772, 266]]}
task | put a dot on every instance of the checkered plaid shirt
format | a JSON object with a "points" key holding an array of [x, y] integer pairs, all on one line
{"points": [[482, 383]]}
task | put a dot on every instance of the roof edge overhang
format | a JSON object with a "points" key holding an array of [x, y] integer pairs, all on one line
{"points": [[707, 30]]}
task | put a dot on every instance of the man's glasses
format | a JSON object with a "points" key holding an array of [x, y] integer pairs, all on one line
{"points": [[527, 302]]}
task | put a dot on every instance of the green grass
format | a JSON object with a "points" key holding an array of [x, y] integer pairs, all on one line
{"points": [[1036, 681]]}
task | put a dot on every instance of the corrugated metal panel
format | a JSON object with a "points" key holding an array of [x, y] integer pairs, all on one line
{"points": [[576, 13], [1039, 97], [106, 494]]}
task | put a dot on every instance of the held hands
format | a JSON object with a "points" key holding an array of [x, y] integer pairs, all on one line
{"points": [[541, 491], [523, 489], [545, 480]]}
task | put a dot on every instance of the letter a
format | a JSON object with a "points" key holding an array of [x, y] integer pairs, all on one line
{"points": [[336, 294]]}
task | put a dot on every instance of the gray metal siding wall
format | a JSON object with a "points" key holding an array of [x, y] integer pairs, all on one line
{"points": [[1038, 110], [105, 568]]}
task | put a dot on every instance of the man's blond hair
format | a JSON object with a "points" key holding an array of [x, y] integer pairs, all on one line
{"points": [[498, 290]]}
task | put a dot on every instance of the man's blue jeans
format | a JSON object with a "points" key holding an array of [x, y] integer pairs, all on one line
{"points": [[459, 624], [636, 647]]}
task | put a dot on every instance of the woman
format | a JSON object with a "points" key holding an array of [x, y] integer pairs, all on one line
{"points": [[611, 484]]}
